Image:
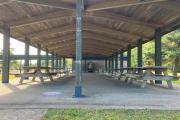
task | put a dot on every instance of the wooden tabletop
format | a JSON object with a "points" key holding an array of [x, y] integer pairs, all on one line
{"points": [[29, 67], [146, 68]]}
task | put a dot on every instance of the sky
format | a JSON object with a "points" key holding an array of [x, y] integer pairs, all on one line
{"points": [[18, 47]]}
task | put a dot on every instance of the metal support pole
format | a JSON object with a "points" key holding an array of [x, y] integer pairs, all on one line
{"points": [[122, 61], [158, 54], [129, 56], [109, 68], [79, 8], [47, 58], [116, 62], [52, 61], [112, 67], [139, 55], [27, 42], [6, 59], [106, 66], [39, 55], [60, 64], [85, 66], [57, 62], [64, 63], [26, 62]]}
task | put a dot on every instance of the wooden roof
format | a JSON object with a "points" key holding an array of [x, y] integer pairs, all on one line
{"points": [[108, 25]]}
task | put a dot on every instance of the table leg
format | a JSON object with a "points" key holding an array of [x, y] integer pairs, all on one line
{"points": [[21, 80], [50, 76], [149, 73], [169, 82], [144, 83]]}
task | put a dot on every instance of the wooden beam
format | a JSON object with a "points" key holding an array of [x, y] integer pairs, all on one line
{"points": [[86, 35], [51, 3], [121, 18], [86, 41], [171, 25], [41, 18], [119, 4], [173, 5], [94, 50], [95, 40], [86, 27], [3, 2]]}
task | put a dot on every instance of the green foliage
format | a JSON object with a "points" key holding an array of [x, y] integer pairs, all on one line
{"points": [[111, 114], [170, 51]]}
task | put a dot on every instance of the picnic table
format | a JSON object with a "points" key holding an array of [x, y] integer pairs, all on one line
{"points": [[36, 72], [148, 74]]}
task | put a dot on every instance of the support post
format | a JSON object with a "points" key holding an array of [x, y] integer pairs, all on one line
{"points": [[109, 68], [47, 58], [57, 62], [112, 67], [60, 63], [79, 8], [26, 61], [116, 62], [122, 61], [106, 67], [158, 54], [27, 42], [85, 66], [139, 55], [129, 56], [64, 63], [52, 61], [39, 56], [6, 52]]}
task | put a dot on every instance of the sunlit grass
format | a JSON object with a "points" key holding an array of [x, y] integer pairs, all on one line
{"points": [[100, 114], [10, 77]]}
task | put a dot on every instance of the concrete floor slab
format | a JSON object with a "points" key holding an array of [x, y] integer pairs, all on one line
{"points": [[100, 92]]}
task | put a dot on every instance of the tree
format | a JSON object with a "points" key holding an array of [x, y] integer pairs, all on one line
{"points": [[171, 46]]}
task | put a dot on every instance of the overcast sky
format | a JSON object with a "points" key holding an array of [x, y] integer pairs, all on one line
{"points": [[18, 47]]}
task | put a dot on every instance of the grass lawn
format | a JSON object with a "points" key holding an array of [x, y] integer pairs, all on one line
{"points": [[91, 114], [10, 77]]}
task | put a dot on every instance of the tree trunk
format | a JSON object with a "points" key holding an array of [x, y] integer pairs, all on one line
{"points": [[176, 64]]}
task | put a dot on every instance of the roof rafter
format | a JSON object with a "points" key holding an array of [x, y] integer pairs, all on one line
{"points": [[85, 42], [89, 35], [41, 18], [119, 3], [86, 27], [51, 3]]}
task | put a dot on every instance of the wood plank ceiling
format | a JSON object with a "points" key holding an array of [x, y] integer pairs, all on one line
{"points": [[108, 26]]}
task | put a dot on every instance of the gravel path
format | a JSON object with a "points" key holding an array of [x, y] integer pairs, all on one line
{"points": [[21, 114]]}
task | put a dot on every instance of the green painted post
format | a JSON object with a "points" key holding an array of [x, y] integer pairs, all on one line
{"points": [[6, 58], [47, 58], [64, 63], [158, 53], [85, 66], [26, 61], [39, 55], [139, 55], [129, 56], [112, 67], [106, 67], [121, 61], [116, 62], [60, 63], [78, 87], [52, 61], [109, 68], [57, 62]]}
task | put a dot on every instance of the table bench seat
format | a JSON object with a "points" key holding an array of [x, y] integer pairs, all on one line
{"points": [[160, 77], [36, 75]]}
